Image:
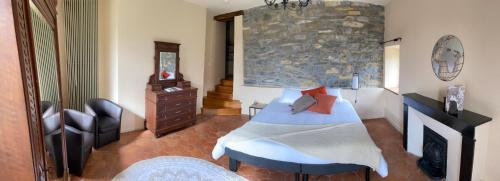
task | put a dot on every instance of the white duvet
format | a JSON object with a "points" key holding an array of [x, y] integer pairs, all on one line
{"points": [[306, 137]]}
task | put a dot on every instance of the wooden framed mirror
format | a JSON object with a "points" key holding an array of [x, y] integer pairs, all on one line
{"points": [[38, 50], [166, 61], [47, 68]]}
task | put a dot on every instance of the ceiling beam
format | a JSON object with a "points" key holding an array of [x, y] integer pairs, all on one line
{"points": [[228, 16]]}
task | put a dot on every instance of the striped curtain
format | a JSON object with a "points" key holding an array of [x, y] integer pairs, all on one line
{"points": [[80, 21], [45, 54]]}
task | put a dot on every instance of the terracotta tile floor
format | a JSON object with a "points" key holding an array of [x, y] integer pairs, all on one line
{"points": [[198, 141]]}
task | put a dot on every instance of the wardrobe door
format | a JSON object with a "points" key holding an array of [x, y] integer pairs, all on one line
{"points": [[16, 161]]}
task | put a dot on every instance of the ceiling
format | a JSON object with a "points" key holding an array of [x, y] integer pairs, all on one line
{"points": [[226, 6]]}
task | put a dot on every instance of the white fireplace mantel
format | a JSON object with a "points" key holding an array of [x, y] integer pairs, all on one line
{"points": [[458, 130]]}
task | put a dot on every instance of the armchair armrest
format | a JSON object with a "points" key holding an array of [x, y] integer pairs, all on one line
{"points": [[114, 110], [79, 120], [89, 110], [51, 123]]}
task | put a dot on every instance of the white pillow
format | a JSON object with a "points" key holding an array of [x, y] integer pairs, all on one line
{"points": [[334, 92], [290, 95]]}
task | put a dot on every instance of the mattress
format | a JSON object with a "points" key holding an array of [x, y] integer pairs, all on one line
{"points": [[279, 113]]}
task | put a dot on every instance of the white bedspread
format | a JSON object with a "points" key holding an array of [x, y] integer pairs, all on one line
{"points": [[309, 138]]}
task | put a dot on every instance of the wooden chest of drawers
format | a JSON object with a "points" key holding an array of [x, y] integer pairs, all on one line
{"points": [[169, 111]]}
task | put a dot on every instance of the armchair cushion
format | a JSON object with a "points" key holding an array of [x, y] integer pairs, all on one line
{"points": [[103, 108], [107, 124], [108, 117]]}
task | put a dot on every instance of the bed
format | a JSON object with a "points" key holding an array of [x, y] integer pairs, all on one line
{"points": [[272, 154]]}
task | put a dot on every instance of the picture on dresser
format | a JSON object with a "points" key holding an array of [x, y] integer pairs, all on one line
{"points": [[167, 65]]}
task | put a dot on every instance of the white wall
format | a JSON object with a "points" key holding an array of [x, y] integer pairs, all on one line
{"points": [[370, 100], [128, 30], [420, 24], [214, 53]]}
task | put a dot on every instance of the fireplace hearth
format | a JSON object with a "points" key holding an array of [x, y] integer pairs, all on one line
{"points": [[433, 162]]}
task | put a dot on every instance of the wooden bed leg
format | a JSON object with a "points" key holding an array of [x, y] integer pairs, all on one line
{"points": [[233, 164], [367, 173], [297, 176], [305, 177]]}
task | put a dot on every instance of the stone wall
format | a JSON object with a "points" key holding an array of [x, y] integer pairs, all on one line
{"points": [[322, 44]]}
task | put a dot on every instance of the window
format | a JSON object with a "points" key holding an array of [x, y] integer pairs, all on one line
{"points": [[391, 68]]}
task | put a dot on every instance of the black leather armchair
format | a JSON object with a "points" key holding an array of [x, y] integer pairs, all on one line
{"points": [[52, 134], [79, 129], [108, 117]]}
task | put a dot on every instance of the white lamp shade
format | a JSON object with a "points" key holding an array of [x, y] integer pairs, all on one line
{"points": [[355, 81]]}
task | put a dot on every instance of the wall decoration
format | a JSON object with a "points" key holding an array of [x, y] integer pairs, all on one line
{"points": [[447, 58], [323, 44], [455, 98]]}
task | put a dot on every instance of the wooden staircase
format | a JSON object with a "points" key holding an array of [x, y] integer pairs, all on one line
{"points": [[220, 101]]}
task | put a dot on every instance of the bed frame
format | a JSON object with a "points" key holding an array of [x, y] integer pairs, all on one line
{"points": [[300, 170]]}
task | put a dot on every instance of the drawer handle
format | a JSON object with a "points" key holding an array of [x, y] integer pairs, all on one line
{"points": [[178, 104], [177, 112]]}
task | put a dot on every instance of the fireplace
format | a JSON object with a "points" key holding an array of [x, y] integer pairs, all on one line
{"points": [[433, 161], [445, 142]]}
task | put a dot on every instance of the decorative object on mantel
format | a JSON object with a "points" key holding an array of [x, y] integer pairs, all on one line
{"points": [[465, 124], [170, 100], [447, 58], [286, 4], [455, 99]]}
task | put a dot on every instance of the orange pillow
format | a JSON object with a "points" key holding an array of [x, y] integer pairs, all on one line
{"points": [[324, 104], [313, 92]]}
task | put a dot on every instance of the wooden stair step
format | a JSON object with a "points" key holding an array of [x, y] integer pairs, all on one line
{"points": [[207, 101], [214, 110], [219, 95], [225, 82], [224, 89]]}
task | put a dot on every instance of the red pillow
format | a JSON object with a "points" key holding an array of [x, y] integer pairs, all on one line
{"points": [[164, 74], [313, 92], [324, 104]]}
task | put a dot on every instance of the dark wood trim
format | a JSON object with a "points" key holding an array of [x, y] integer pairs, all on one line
{"points": [[467, 158], [228, 16], [465, 123], [22, 21], [26, 50], [61, 100], [47, 11]]}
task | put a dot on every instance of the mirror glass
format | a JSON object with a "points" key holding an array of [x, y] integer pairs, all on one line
{"points": [[46, 66], [167, 65], [447, 58]]}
